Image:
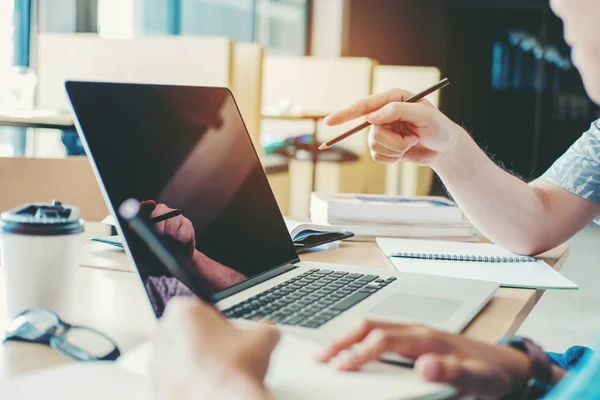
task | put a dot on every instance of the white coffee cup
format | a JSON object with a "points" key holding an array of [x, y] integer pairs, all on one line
{"points": [[40, 256]]}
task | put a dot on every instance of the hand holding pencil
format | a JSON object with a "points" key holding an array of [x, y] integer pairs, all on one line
{"points": [[415, 132], [171, 222]]}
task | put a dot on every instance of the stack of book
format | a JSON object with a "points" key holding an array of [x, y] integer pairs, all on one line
{"points": [[371, 216]]}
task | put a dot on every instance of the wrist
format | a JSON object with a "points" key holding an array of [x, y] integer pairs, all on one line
{"points": [[453, 158], [522, 372], [535, 376]]}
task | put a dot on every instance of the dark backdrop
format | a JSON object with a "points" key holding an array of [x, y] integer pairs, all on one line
{"points": [[524, 111]]}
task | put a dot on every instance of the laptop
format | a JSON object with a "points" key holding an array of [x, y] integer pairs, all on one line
{"points": [[187, 148]]}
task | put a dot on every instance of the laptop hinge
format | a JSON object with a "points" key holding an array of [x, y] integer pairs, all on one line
{"points": [[248, 283]]}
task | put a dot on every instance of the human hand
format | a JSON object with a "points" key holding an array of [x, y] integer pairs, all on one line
{"points": [[179, 228], [474, 368], [198, 354], [414, 132]]}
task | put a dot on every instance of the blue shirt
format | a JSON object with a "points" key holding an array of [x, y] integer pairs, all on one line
{"points": [[583, 382], [578, 171]]}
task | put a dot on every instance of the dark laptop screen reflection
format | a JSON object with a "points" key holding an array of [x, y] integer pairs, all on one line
{"points": [[185, 148], [179, 235]]}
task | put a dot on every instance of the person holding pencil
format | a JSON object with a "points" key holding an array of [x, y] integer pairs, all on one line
{"points": [[526, 218]]}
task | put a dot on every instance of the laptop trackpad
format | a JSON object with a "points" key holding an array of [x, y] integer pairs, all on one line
{"points": [[414, 308]]}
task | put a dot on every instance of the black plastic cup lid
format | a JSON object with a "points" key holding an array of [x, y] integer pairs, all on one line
{"points": [[42, 220]]}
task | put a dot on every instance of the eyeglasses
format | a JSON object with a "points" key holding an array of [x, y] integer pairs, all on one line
{"points": [[43, 326]]}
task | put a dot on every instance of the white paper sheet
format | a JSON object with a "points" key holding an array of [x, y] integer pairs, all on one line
{"points": [[510, 274], [294, 375]]}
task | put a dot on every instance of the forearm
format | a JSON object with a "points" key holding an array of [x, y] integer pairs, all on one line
{"points": [[217, 274], [504, 208]]}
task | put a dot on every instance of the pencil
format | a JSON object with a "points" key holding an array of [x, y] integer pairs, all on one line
{"points": [[413, 99], [166, 216]]}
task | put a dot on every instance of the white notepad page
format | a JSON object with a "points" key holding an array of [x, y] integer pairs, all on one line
{"points": [[294, 375], [510, 274]]}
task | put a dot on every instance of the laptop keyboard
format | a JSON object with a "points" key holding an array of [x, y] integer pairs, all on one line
{"points": [[310, 299]]}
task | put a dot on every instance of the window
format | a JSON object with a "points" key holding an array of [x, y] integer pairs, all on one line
{"points": [[11, 140], [282, 25], [6, 34], [279, 25], [231, 18]]}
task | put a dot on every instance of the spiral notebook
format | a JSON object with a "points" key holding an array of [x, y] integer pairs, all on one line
{"points": [[480, 261]]}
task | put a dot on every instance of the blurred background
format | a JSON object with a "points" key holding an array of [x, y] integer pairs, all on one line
{"points": [[290, 63], [513, 85]]}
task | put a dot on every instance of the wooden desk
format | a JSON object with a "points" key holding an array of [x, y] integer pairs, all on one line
{"points": [[502, 316], [48, 119], [114, 301]]}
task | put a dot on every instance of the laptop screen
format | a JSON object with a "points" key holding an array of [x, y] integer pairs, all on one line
{"points": [[184, 148]]}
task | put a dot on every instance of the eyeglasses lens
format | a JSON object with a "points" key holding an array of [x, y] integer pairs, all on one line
{"points": [[84, 344], [32, 325]]}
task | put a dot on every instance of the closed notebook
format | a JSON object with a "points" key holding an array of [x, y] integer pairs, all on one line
{"points": [[360, 208], [481, 261], [311, 236]]}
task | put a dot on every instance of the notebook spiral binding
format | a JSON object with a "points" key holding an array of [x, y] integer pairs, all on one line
{"points": [[463, 257]]}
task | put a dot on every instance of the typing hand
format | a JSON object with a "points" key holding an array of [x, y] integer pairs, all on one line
{"points": [[198, 354], [474, 368], [415, 132]]}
